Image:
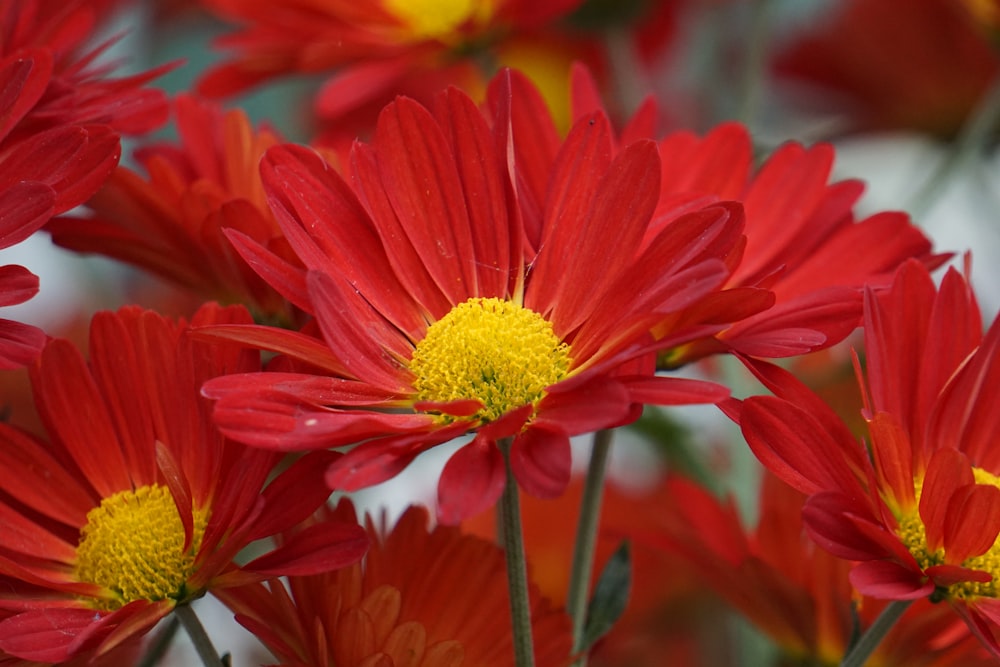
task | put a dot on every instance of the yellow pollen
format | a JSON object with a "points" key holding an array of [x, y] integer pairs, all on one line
{"points": [[913, 534], [133, 546], [438, 19], [495, 351]]}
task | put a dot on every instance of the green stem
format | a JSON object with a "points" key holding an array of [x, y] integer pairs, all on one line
{"points": [[196, 631], [517, 571], [977, 129], [160, 645], [586, 539], [870, 640]]}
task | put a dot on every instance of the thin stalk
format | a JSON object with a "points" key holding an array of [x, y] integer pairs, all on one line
{"points": [[196, 631], [512, 539], [870, 640], [586, 539], [160, 645]]}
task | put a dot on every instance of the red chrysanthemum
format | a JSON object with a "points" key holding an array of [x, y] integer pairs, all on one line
{"points": [[171, 221], [929, 77], [137, 504], [423, 597], [376, 49], [921, 511], [435, 316], [798, 284], [796, 593]]}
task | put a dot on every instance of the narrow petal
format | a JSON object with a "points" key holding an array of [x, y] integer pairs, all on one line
{"points": [[947, 471], [541, 462], [24, 207], [294, 495], [322, 547], [889, 581], [471, 481]]}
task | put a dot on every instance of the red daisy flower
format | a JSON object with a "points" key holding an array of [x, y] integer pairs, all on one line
{"points": [[377, 48], [933, 73], [921, 512], [55, 35], [434, 318], [137, 504], [795, 593], [171, 222], [426, 597], [798, 283]]}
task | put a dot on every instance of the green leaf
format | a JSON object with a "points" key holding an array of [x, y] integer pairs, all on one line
{"points": [[610, 596]]}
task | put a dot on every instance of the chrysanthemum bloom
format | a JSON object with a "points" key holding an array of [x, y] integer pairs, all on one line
{"points": [[422, 597], [798, 284], [57, 36], [793, 591], [171, 221], [378, 48], [41, 174], [921, 511], [843, 61], [137, 504], [434, 317]]}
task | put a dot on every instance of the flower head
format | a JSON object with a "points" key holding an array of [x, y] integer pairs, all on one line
{"points": [[137, 504], [170, 221], [435, 317], [426, 597], [919, 512]]}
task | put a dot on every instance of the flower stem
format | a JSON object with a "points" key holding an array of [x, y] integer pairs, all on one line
{"points": [[872, 637], [517, 570], [586, 540], [196, 631], [160, 645]]}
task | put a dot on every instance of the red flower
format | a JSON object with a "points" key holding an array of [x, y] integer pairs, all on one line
{"points": [[928, 77], [434, 317], [922, 512], [171, 222], [796, 285], [797, 594], [426, 597], [137, 504], [378, 48]]}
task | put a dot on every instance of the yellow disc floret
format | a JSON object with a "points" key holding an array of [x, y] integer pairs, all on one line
{"points": [[911, 530], [494, 351], [438, 19], [133, 546]]}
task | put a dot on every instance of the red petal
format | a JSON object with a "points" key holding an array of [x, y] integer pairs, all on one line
{"points": [[889, 581], [294, 495], [972, 523], [947, 471], [20, 344], [541, 462], [17, 284], [321, 547], [471, 481], [658, 390], [24, 208]]}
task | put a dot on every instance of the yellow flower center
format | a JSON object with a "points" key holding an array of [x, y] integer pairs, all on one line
{"points": [[912, 532], [438, 19], [494, 351], [133, 546]]}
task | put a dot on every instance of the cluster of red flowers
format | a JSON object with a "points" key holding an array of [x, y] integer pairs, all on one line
{"points": [[469, 253]]}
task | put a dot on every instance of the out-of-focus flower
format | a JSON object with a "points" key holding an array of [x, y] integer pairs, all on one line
{"points": [[921, 511], [76, 89], [438, 313], [60, 116], [171, 222], [424, 597], [796, 593], [797, 282], [377, 48], [137, 504], [928, 77]]}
